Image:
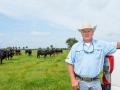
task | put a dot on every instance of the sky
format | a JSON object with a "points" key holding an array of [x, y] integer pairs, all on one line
{"points": [[41, 23]]}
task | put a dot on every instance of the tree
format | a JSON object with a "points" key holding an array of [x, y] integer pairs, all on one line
{"points": [[23, 48], [70, 42], [51, 46], [26, 47]]}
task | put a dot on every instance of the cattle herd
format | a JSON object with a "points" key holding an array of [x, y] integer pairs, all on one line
{"points": [[50, 52], [6, 54]]}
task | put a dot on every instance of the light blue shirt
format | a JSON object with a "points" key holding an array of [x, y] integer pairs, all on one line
{"points": [[89, 64]]}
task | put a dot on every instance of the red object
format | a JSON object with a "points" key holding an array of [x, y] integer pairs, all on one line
{"points": [[109, 66], [111, 62]]}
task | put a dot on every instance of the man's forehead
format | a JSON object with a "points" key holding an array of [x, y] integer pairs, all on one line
{"points": [[87, 29]]}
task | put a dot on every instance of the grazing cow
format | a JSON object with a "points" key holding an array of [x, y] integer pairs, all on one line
{"points": [[41, 52], [9, 53], [45, 52], [18, 52], [58, 51], [6, 54], [28, 51], [2, 55]]}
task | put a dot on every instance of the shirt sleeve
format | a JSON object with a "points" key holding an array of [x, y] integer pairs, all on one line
{"points": [[110, 47], [71, 56]]}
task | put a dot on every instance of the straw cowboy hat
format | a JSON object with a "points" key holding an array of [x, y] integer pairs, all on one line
{"points": [[85, 26]]}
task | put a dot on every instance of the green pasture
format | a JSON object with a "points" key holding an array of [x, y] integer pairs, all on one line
{"points": [[31, 73]]}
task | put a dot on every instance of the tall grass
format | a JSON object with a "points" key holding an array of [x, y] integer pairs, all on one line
{"points": [[31, 73]]}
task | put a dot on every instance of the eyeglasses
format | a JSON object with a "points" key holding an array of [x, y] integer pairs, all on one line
{"points": [[88, 50]]}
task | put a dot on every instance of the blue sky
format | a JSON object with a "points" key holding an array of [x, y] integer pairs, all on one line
{"points": [[41, 23]]}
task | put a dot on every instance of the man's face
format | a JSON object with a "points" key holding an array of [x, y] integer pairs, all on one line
{"points": [[87, 34]]}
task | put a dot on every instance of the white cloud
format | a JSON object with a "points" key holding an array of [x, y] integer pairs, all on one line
{"points": [[2, 34], [67, 13], [40, 34], [61, 12]]}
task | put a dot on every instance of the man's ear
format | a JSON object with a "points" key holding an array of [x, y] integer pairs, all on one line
{"points": [[93, 31]]}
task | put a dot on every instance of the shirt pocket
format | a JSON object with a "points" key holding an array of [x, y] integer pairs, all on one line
{"points": [[79, 55], [98, 53]]}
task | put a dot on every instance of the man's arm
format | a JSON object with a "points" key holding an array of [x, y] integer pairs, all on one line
{"points": [[118, 45], [75, 83], [71, 72]]}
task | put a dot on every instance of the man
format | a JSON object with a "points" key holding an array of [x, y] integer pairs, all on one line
{"points": [[86, 58]]}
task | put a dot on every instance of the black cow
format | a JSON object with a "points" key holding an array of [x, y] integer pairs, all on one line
{"points": [[18, 52], [6, 54], [45, 52], [28, 51], [2, 55], [42, 52]]}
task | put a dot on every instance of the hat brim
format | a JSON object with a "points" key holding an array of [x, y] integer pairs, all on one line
{"points": [[93, 29]]}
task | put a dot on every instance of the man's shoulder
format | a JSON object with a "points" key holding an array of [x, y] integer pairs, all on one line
{"points": [[76, 45], [100, 41], [103, 43]]}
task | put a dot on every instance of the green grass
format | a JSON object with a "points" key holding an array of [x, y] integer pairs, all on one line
{"points": [[31, 73]]}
